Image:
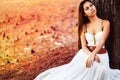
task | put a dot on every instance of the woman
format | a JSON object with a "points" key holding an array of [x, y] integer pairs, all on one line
{"points": [[91, 62]]}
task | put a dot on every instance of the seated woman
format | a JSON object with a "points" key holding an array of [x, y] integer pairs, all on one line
{"points": [[91, 62]]}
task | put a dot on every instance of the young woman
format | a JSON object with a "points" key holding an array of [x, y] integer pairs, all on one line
{"points": [[91, 62]]}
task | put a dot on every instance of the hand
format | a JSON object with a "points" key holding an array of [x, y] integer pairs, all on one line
{"points": [[97, 59], [90, 60]]}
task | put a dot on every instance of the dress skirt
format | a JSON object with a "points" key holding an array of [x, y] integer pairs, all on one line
{"points": [[77, 70]]}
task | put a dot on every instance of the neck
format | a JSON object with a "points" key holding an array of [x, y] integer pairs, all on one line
{"points": [[93, 18]]}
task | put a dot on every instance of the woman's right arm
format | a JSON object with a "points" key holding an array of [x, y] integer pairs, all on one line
{"points": [[83, 43], [87, 51]]}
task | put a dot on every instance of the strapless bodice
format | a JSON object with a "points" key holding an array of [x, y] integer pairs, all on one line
{"points": [[93, 40]]}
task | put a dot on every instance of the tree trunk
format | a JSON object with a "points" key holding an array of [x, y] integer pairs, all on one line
{"points": [[110, 9]]}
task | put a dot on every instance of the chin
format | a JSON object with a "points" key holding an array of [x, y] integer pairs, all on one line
{"points": [[93, 14]]}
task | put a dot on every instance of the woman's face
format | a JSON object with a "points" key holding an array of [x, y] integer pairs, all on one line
{"points": [[89, 9]]}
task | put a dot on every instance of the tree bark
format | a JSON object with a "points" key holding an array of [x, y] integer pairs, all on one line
{"points": [[110, 10]]}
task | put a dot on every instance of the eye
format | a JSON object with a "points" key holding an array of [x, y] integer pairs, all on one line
{"points": [[86, 8], [91, 5]]}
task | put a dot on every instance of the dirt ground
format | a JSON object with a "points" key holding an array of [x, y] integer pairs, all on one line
{"points": [[35, 36]]}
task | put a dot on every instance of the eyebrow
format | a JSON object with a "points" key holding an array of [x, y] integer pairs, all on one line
{"points": [[88, 6]]}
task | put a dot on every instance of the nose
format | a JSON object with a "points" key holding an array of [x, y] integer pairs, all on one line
{"points": [[91, 9]]}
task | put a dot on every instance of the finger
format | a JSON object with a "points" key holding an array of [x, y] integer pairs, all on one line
{"points": [[98, 59], [87, 63], [95, 58], [90, 64]]}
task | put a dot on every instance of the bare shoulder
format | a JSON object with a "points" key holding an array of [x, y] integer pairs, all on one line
{"points": [[106, 23]]}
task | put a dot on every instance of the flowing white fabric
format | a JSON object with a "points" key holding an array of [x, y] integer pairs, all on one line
{"points": [[77, 70]]}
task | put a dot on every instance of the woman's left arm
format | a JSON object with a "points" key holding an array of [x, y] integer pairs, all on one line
{"points": [[106, 30]]}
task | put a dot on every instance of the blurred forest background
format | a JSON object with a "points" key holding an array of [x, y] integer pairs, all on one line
{"points": [[39, 34]]}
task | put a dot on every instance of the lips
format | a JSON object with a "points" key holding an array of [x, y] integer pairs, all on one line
{"points": [[93, 11]]}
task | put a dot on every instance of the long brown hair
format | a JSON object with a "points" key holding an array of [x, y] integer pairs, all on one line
{"points": [[82, 19]]}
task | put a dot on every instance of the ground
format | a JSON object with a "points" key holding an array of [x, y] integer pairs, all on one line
{"points": [[35, 36]]}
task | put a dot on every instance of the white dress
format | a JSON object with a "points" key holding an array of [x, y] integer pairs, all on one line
{"points": [[77, 70]]}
